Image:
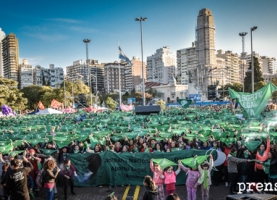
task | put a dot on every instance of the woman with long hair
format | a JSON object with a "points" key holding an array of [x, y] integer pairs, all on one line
{"points": [[50, 173], [151, 191]]}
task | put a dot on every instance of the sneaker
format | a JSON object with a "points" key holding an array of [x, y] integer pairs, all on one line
{"points": [[226, 184]]}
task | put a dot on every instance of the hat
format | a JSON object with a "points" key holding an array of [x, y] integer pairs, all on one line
{"points": [[32, 151]]}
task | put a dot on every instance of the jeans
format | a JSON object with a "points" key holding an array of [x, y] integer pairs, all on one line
{"points": [[66, 183], [49, 193]]}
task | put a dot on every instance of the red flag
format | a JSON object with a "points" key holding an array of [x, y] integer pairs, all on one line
{"points": [[40, 105], [55, 104]]}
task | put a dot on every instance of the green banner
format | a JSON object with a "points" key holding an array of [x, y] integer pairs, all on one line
{"points": [[108, 168], [254, 104], [184, 102]]}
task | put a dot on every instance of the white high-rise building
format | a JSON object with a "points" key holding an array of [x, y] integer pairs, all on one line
{"points": [[2, 36], [25, 76], [53, 76], [161, 66], [268, 65], [187, 61]]}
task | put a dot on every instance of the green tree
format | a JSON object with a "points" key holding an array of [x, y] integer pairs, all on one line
{"points": [[32, 93], [153, 92], [236, 86], [161, 103], [110, 103], [257, 77], [274, 95]]}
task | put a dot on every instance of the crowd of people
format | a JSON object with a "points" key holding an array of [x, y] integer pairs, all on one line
{"points": [[32, 169]]}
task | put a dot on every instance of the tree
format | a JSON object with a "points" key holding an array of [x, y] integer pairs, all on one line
{"points": [[161, 103], [153, 92], [148, 96], [110, 103], [32, 93], [10, 95], [274, 95], [236, 86], [257, 76]]}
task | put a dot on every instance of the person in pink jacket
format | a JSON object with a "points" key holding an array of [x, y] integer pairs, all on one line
{"points": [[158, 178], [191, 183], [170, 180]]}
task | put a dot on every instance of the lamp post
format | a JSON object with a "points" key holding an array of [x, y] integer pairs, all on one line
{"points": [[252, 60], [141, 19], [243, 34]]}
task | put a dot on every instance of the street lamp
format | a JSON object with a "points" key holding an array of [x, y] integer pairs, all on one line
{"points": [[252, 60], [141, 19], [243, 34]]}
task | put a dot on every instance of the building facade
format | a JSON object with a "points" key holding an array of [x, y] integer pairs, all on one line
{"points": [[25, 76], [10, 57], [53, 76], [133, 74], [187, 61], [161, 66], [268, 65], [2, 36], [91, 72], [113, 72]]}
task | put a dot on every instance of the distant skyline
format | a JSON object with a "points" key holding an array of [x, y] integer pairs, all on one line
{"points": [[52, 32]]}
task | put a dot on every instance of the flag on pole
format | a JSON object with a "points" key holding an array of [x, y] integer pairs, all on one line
{"points": [[124, 57], [40, 105]]}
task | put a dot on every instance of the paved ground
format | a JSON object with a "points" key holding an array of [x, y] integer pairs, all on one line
{"points": [[99, 193]]}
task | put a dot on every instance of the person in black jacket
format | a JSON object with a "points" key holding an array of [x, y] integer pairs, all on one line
{"points": [[151, 191], [272, 172], [244, 169]]}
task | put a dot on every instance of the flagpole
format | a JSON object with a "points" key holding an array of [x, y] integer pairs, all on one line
{"points": [[119, 79]]}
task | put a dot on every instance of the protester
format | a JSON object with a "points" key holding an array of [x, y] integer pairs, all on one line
{"points": [[205, 177], [17, 181], [170, 179], [151, 191], [173, 197], [262, 155], [49, 176], [68, 172], [192, 177], [270, 168], [158, 179]]}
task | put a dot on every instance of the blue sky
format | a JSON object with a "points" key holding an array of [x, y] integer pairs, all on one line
{"points": [[51, 31]]}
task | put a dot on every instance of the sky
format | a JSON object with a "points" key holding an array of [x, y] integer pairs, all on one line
{"points": [[52, 31]]}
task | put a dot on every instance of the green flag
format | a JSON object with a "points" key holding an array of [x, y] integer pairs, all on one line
{"points": [[164, 163], [184, 102], [195, 161], [254, 104]]}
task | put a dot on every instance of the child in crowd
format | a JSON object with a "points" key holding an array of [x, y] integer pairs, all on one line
{"points": [[191, 183], [205, 177], [170, 179], [158, 179]]}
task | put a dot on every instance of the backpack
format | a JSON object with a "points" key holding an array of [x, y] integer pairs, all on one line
{"points": [[40, 180]]}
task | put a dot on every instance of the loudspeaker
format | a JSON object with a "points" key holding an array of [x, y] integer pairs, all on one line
{"points": [[147, 110], [251, 197]]}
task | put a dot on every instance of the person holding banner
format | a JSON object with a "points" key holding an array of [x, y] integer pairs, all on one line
{"points": [[158, 179], [261, 156]]}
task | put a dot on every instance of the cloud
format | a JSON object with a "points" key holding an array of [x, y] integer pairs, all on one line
{"points": [[65, 20], [83, 29], [47, 37]]}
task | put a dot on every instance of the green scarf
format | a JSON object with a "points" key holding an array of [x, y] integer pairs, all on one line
{"points": [[266, 166], [261, 152], [245, 154], [205, 179], [76, 151]]}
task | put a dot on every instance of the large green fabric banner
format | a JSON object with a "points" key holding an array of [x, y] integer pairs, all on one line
{"points": [[184, 102], [254, 104], [109, 168]]}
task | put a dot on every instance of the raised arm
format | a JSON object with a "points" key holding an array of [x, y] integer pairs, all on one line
{"points": [[152, 166]]}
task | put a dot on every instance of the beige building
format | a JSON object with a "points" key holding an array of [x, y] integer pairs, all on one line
{"points": [[268, 65], [112, 73], [91, 72], [10, 57], [133, 74], [161, 66], [171, 91], [25, 74]]}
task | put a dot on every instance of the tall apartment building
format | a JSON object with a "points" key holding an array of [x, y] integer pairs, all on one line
{"points": [[114, 71], [161, 66], [10, 57], [2, 36], [234, 66], [133, 74], [268, 64], [81, 70], [53, 76], [187, 61], [256, 55], [25, 74]]}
